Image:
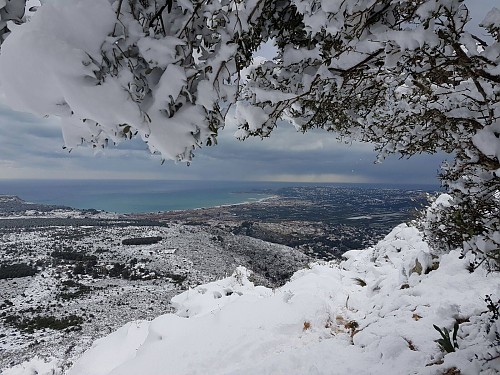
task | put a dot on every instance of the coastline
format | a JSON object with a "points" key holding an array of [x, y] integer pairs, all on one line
{"points": [[261, 200], [133, 197]]}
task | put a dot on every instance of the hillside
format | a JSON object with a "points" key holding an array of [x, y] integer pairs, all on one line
{"points": [[372, 313]]}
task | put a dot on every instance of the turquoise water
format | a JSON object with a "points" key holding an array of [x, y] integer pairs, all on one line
{"points": [[138, 196]]}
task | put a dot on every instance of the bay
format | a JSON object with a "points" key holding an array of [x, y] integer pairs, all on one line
{"points": [[139, 196]]}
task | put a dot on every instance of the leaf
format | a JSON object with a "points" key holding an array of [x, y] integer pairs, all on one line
{"points": [[455, 331], [445, 342], [438, 329], [169, 5]]}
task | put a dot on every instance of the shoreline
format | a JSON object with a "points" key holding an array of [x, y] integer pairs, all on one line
{"points": [[136, 197], [261, 200], [40, 210], [63, 209]]}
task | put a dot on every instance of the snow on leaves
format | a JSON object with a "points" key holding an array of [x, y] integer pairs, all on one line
{"points": [[403, 74], [118, 65]]}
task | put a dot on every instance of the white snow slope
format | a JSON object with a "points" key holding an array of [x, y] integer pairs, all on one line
{"points": [[321, 322]]}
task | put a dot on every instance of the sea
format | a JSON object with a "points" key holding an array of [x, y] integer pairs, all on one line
{"points": [[140, 196]]}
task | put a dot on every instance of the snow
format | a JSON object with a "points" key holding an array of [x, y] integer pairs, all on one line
{"points": [[487, 142], [123, 344], [95, 101], [159, 53], [492, 18], [254, 116], [323, 321], [207, 298], [59, 46], [35, 366]]}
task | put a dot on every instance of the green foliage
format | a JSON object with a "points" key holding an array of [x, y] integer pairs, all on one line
{"points": [[470, 222], [493, 308], [445, 343], [176, 278], [71, 290], [73, 256], [11, 271], [68, 323], [141, 240], [492, 329]]}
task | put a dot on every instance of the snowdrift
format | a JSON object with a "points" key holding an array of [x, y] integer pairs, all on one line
{"points": [[371, 314]]}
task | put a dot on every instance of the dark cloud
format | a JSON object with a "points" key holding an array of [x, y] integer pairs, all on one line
{"points": [[32, 147], [317, 153]]}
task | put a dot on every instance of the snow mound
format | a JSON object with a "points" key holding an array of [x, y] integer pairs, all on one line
{"points": [[34, 366], [205, 299], [371, 314]]}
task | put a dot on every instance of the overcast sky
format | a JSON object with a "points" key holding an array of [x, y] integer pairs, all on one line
{"points": [[31, 147]]}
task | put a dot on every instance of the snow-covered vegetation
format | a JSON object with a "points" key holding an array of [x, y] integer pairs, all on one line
{"points": [[407, 75], [65, 282], [373, 313]]}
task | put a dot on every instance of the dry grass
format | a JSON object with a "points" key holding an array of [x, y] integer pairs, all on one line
{"points": [[452, 371], [411, 346], [307, 325]]}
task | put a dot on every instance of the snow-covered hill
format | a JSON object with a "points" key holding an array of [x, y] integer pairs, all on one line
{"points": [[371, 314]]}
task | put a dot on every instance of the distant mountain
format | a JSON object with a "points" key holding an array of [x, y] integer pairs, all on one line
{"points": [[10, 204]]}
